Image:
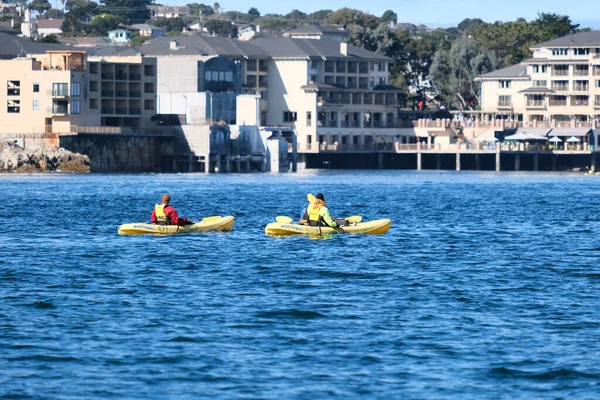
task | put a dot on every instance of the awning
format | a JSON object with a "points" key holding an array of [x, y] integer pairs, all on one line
{"points": [[534, 131], [571, 131]]}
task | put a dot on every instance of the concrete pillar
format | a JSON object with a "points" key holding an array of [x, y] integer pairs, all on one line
{"points": [[458, 160], [380, 160], [536, 161], [498, 158], [517, 161], [273, 150], [418, 161]]}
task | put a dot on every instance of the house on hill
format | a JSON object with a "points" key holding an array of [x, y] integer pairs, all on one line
{"points": [[331, 32], [49, 27], [168, 11]]}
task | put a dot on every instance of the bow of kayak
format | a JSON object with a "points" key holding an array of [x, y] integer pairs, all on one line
{"points": [[377, 227], [207, 224]]}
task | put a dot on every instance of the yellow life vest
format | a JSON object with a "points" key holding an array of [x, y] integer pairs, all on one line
{"points": [[159, 211], [313, 213]]}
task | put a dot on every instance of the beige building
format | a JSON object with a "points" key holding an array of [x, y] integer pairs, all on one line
{"points": [[558, 87], [65, 91]]}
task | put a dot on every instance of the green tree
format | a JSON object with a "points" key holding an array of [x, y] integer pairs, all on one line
{"points": [[127, 11], [221, 28], [103, 23], [79, 16], [216, 8], [40, 6], [347, 16], [554, 25], [200, 9], [319, 16], [296, 14], [466, 25], [253, 11], [53, 13], [389, 16], [171, 25], [52, 38]]}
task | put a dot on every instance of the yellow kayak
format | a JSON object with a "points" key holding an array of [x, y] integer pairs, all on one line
{"points": [[216, 223], [377, 227]]}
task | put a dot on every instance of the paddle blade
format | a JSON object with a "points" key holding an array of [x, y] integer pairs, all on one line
{"points": [[354, 218], [283, 220], [311, 199]]}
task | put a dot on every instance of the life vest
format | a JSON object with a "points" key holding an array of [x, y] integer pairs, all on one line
{"points": [[161, 217], [314, 215]]}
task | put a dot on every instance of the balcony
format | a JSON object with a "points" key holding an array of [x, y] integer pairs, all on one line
{"points": [[558, 103], [536, 104], [581, 72], [135, 76], [597, 104], [109, 76], [505, 105], [560, 72], [135, 111], [121, 76], [60, 111], [582, 88], [108, 93], [107, 110], [60, 92], [135, 93], [120, 93], [561, 88], [121, 110]]}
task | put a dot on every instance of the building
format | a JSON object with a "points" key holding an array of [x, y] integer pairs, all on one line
{"points": [[66, 91], [317, 32], [49, 27], [558, 87], [247, 31], [119, 36], [148, 30], [168, 11]]}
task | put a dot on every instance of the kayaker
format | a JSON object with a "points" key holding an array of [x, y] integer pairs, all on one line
{"points": [[165, 214], [317, 213]]}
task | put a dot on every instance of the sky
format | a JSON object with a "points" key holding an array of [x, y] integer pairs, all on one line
{"points": [[433, 13]]}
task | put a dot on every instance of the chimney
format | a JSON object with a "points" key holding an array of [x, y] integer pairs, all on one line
{"points": [[344, 48], [173, 45]]}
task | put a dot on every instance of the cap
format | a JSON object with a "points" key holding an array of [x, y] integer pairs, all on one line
{"points": [[320, 196]]}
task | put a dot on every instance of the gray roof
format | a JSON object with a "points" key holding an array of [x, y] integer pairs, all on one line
{"points": [[50, 23], [583, 39], [570, 131], [537, 90], [515, 71], [145, 27], [13, 46], [317, 29], [307, 48]]}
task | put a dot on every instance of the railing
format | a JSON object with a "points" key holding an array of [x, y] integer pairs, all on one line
{"points": [[121, 93], [121, 76], [561, 88], [108, 76], [377, 124], [582, 88], [355, 124], [107, 110], [580, 103], [121, 110], [345, 124], [107, 93], [581, 72], [560, 72], [135, 76], [504, 104], [535, 103], [135, 93], [119, 130], [60, 110], [558, 103]]}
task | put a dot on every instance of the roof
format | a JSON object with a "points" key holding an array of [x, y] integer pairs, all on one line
{"points": [[170, 9], [583, 39], [515, 72], [146, 27], [89, 41], [570, 131], [50, 23], [537, 90], [13, 46], [318, 86], [307, 48], [317, 29]]}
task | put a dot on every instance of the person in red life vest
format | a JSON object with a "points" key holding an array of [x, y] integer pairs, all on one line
{"points": [[164, 214]]}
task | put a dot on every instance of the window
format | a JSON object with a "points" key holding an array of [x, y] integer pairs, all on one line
{"points": [[36, 105], [221, 76], [382, 81], [75, 89], [149, 70], [36, 88], [60, 89], [75, 107], [290, 116], [314, 78], [363, 83], [264, 95], [13, 88], [308, 118], [94, 103], [504, 84], [581, 51], [597, 83], [314, 64], [381, 67], [536, 69], [540, 83], [229, 76], [363, 67], [544, 69], [560, 52], [504, 101], [330, 80], [371, 83], [207, 76], [340, 81], [13, 106], [215, 76]]}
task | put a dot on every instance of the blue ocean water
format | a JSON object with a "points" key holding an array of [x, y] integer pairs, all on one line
{"points": [[486, 286]]}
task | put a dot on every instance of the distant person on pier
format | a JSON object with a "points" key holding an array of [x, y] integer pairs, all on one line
{"points": [[317, 214], [164, 214]]}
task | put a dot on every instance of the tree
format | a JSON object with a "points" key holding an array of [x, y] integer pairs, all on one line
{"points": [[216, 8], [221, 28], [347, 16], [319, 16], [53, 13], [389, 16], [200, 9], [40, 6], [554, 25], [52, 38], [79, 16], [171, 25], [103, 23], [253, 11], [127, 11], [296, 14], [467, 24]]}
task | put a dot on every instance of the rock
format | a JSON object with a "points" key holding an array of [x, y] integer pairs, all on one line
{"points": [[14, 158]]}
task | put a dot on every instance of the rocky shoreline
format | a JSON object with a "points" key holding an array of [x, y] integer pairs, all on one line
{"points": [[14, 158]]}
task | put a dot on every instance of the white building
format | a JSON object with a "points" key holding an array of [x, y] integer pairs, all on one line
{"points": [[558, 87], [49, 27]]}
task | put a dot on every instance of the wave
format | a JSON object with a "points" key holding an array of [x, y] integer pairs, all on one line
{"points": [[299, 314], [547, 375]]}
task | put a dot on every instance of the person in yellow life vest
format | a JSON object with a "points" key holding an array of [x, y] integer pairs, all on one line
{"points": [[317, 213], [164, 214]]}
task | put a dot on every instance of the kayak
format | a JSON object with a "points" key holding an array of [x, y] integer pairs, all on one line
{"points": [[377, 227], [207, 224]]}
